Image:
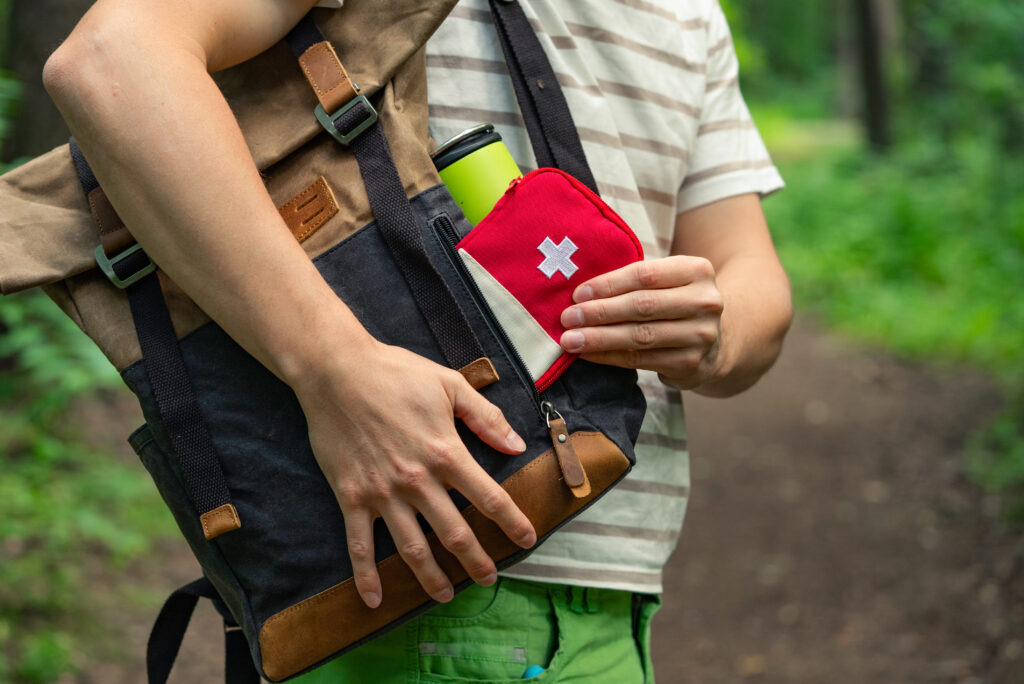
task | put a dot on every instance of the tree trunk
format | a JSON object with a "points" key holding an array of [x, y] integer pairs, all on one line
{"points": [[872, 71], [35, 29]]}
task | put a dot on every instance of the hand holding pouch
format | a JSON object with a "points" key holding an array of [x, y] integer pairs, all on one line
{"points": [[546, 236]]}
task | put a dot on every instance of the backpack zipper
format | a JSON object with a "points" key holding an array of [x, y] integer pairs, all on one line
{"points": [[445, 230]]}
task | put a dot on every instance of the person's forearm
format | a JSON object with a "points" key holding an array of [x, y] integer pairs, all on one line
{"points": [[169, 154], [757, 308], [756, 315]]}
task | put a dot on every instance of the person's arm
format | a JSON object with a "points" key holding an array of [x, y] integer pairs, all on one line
{"points": [[133, 83], [710, 318]]}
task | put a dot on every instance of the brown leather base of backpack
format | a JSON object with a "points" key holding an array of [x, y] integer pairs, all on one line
{"points": [[337, 619]]}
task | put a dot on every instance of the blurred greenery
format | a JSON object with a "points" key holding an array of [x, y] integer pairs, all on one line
{"points": [[919, 250], [60, 502]]}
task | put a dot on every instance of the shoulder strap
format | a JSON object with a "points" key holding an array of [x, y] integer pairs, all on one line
{"points": [[552, 132], [128, 267], [169, 630]]}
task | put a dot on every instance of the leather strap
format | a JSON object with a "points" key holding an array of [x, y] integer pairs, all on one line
{"points": [[325, 73], [114, 237], [320, 65]]}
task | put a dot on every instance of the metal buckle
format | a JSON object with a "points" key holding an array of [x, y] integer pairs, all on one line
{"points": [[107, 266], [327, 120]]}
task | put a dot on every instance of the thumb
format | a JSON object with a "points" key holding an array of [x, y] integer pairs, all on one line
{"points": [[485, 419]]}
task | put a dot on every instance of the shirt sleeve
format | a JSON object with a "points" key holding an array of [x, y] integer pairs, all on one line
{"points": [[729, 157]]}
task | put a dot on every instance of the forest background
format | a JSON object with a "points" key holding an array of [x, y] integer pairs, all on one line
{"points": [[897, 125]]}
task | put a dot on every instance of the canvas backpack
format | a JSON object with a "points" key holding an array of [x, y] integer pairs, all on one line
{"points": [[224, 440]]}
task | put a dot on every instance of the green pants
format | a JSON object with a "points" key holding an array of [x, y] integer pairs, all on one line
{"points": [[494, 634]]}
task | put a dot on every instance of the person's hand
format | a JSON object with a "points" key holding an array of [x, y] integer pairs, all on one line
{"points": [[662, 315], [383, 431]]}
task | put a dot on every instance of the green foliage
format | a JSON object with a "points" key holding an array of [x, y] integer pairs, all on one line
{"points": [[924, 250], [9, 90], [965, 75], [996, 457], [60, 503], [786, 50]]}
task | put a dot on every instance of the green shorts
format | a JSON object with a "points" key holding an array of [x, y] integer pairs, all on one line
{"points": [[494, 634]]}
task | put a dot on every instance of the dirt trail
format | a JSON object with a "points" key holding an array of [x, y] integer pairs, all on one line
{"points": [[831, 537]]}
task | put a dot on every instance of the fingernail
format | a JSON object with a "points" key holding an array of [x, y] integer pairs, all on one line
{"points": [[489, 580], [528, 539], [572, 340], [572, 317], [371, 599], [583, 294], [515, 442], [445, 595]]}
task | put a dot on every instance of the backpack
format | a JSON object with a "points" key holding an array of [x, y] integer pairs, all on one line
{"points": [[224, 440]]}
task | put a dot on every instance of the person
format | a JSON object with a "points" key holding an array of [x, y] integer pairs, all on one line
{"points": [[653, 88]]}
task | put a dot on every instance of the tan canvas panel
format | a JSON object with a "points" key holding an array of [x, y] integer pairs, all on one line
{"points": [[47, 233]]}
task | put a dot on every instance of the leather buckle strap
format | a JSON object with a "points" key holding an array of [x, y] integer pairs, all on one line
{"points": [[346, 124], [342, 111], [127, 267]]}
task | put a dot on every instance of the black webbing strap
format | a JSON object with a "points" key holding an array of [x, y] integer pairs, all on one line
{"points": [[169, 630], [167, 373], [304, 35], [552, 132], [399, 226]]}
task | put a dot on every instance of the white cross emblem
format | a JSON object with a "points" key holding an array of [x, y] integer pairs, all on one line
{"points": [[556, 257]]}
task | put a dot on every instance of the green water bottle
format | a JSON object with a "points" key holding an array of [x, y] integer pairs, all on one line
{"points": [[476, 167]]}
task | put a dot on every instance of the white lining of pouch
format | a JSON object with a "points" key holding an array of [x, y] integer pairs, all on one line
{"points": [[538, 351]]}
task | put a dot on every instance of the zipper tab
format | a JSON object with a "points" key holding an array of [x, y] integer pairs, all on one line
{"points": [[568, 460]]}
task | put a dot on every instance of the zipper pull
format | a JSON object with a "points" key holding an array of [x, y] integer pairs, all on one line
{"points": [[572, 469]]}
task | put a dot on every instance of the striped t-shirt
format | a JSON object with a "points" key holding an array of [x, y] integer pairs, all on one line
{"points": [[652, 86]]}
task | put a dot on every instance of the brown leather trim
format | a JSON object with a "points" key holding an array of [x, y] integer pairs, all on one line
{"points": [[220, 520], [328, 77], [310, 209], [320, 626], [480, 373], [114, 236]]}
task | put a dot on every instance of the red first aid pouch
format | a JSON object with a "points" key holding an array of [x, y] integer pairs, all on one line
{"points": [[547, 235]]}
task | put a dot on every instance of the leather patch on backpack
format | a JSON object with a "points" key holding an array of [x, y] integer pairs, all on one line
{"points": [[220, 520], [310, 209]]}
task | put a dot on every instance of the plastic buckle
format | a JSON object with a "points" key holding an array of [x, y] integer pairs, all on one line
{"points": [[107, 266], [327, 120]]}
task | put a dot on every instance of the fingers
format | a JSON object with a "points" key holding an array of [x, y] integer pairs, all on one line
{"points": [[454, 533], [484, 418], [468, 477], [678, 335], [415, 551], [674, 303], [359, 533], [673, 271]]}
